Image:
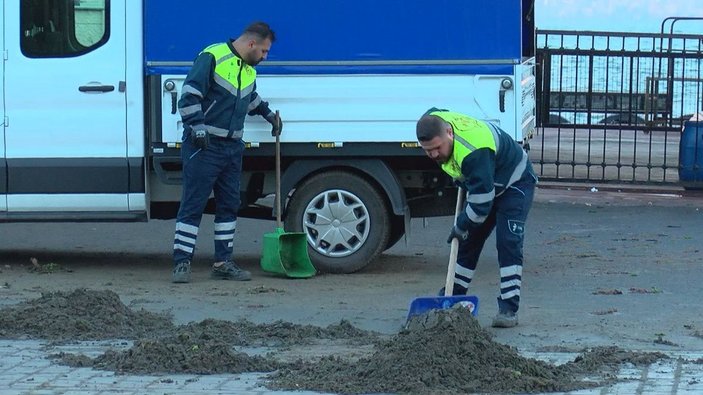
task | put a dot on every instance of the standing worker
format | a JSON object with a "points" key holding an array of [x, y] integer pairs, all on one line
{"points": [[218, 93], [499, 182]]}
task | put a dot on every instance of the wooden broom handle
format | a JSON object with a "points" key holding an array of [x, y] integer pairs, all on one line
{"points": [[454, 252], [278, 176]]}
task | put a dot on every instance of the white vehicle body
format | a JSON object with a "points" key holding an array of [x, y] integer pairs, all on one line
{"points": [[90, 131]]}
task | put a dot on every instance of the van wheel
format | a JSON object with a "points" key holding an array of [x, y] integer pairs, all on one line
{"points": [[344, 218]]}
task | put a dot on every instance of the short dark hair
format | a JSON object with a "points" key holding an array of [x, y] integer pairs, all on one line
{"points": [[429, 127], [261, 30]]}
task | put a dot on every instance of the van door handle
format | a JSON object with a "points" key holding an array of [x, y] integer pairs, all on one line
{"points": [[96, 88]]}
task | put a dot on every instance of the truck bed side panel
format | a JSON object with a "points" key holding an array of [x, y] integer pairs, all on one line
{"points": [[343, 31], [358, 108]]}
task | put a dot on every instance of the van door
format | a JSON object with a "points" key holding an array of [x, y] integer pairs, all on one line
{"points": [[66, 142], [3, 167]]}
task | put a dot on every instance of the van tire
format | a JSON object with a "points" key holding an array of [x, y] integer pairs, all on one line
{"points": [[344, 209]]}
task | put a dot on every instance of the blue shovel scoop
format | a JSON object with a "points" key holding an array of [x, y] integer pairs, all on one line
{"points": [[424, 304]]}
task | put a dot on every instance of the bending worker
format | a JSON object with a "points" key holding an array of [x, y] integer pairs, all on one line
{"points": [[218, 92], [499, 182]]}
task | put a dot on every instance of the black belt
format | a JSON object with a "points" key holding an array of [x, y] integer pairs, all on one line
{"points": [[212, 136]]}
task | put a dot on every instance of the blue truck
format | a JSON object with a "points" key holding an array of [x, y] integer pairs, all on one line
{"points": [[91, 131]]}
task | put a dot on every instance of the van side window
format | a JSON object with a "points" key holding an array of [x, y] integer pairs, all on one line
{"points": [[63, 28]]}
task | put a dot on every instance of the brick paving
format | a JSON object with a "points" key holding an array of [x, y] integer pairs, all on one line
{"points": [[26, 369]]}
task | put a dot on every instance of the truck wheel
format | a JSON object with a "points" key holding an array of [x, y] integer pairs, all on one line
{"points": [[345, 219]]}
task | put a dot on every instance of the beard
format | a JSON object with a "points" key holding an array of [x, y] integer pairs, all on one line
{"points": [[441, 160], [254, 62]]}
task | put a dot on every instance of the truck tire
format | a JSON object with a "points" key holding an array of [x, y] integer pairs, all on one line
{"points": [[345, 219]]}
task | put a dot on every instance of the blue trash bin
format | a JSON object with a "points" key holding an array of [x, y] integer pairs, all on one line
{"points": [[691, 155]]}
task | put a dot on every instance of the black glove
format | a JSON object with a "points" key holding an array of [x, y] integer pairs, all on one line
{"points": [[276, 124], [458, 290], [200, 138], [458, 234]]}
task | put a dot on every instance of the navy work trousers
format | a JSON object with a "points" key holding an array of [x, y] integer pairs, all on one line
{"points": [[216, 169], [507, 217]]}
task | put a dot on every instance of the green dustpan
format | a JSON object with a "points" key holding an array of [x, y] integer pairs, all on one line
{"points": [[284, 252]]}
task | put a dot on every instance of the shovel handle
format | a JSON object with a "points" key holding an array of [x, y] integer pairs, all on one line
{"points": [[454, 252], [278, 177]]}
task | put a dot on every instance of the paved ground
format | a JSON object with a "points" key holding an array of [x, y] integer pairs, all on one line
{"points": [[602, 268], [25, 370]]}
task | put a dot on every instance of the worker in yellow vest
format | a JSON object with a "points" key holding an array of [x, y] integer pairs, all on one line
{"points": [[218, 93], [499, 182]]}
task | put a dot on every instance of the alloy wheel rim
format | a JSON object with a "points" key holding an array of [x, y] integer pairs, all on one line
{"points": [[336, 223]]}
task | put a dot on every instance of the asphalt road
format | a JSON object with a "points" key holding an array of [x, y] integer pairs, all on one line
{"points": [[602, 268]]}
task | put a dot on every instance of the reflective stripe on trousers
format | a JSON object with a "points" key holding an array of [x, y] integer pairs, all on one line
{"points": [[216, 169], [507, 216]]}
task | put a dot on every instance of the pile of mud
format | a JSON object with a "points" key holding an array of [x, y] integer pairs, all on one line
{"points": [[276, 334], [440, 352], [447, 352], [175, 354], [207, 347], [204, 347], [80, 315], [606, 360]]}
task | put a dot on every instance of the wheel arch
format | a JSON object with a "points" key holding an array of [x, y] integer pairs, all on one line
{"points": [[374, 170]]}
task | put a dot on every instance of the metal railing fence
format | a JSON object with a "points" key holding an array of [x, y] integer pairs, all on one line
{"points": [[612, 106]]}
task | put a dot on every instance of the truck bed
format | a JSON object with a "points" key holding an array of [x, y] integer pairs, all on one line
{"points": [[318, 36]]}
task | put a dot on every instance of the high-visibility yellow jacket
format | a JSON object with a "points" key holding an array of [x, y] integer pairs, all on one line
{"points": [[219, 91], [485, 161]]}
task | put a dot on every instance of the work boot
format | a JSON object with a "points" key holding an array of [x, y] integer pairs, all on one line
{"points": [[228, 270], [181, 272], [505, 319]]}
